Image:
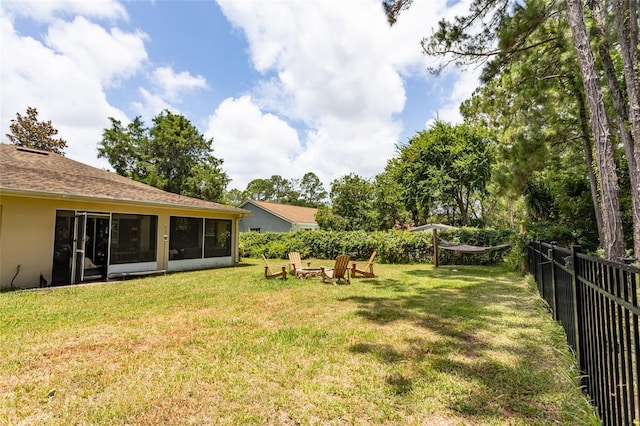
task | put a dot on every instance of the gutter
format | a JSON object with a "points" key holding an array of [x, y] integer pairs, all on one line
{"points": [[241, 213]]}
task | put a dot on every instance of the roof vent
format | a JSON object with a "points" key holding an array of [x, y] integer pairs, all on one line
{"points": [[32, 151]]}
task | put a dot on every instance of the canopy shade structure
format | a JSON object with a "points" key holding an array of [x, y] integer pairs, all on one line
{"points": [[433, 226], [465, 248]]}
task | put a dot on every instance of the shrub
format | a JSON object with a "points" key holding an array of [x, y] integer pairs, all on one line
{"points": [[396, 246], [517, 257]]}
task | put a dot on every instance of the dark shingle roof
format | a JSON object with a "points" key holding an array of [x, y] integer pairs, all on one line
{"points": [[28, 171], [294, 214]]}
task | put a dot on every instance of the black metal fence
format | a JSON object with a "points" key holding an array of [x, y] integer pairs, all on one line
{"points": [[596, 301]]}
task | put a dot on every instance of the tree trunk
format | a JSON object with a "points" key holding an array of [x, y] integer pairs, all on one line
{"points": [[588, 156], [611, 219], [628, 41], [512, 224], [621, 120], [463, 206]]}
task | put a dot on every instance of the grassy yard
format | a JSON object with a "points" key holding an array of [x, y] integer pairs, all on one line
{"points": [[419, 345]]}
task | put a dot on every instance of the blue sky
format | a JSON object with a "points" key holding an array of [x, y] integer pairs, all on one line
{"points": [[283, 87]]}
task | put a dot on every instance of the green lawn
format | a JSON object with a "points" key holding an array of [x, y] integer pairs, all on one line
{"points": [[418, 345]]}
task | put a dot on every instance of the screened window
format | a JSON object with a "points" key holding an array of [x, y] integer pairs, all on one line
{"points": [[133, 238], [195, 238], [185, 238], [217, 238]]}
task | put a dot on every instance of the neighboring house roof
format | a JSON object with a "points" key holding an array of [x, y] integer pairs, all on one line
{"points": [[31, 172], [432, 226], [293, 214]]}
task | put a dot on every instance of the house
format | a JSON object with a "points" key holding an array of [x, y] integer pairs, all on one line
{"points": [[64, 222], [277, 217]]}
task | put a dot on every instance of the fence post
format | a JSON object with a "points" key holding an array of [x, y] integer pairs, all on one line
{"points": [[541, 267], [552, 261], [436, 261], [577, 309]]}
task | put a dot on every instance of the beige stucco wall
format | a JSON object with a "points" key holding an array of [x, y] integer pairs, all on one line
{"points": [[26, 241], [27, 228]]}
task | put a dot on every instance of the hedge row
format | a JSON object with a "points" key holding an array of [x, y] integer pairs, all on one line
{"points": [[392, 246]]}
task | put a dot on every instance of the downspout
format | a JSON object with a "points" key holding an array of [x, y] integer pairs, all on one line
{"points": [[165, 250], [237, 242]]}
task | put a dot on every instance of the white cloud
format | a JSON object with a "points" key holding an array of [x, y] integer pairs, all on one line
{"points": [[465, 84], [52, 9], [337, 67], [251, 143], [62, 83], [66, 74], [150, 105], [255, 145], [172, 85], [168, 90], [340, 147], [330, 58], [329, 98], [107, 55]]}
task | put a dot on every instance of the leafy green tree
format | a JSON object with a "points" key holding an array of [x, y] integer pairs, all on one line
{"points": [[234, 197], [446, 166], [388, 202], [312, 192], [28, 132], [539, 200], [574, 209], [259, 190], [276, 189], [207, 181], [328, 221], [123, 146], [534, 103], [171, 155], [352, 200], [609, 189], [306, 192], [505, 30], [283, 191], [626, 120]]}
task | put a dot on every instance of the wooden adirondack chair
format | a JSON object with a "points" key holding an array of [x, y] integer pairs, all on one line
{"points": [[295, 266], [340, 272], [367, 271], [295, 263], [268, 273]]}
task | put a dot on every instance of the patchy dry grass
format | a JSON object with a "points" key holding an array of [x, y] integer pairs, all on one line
{"points": [[419, 345]]}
